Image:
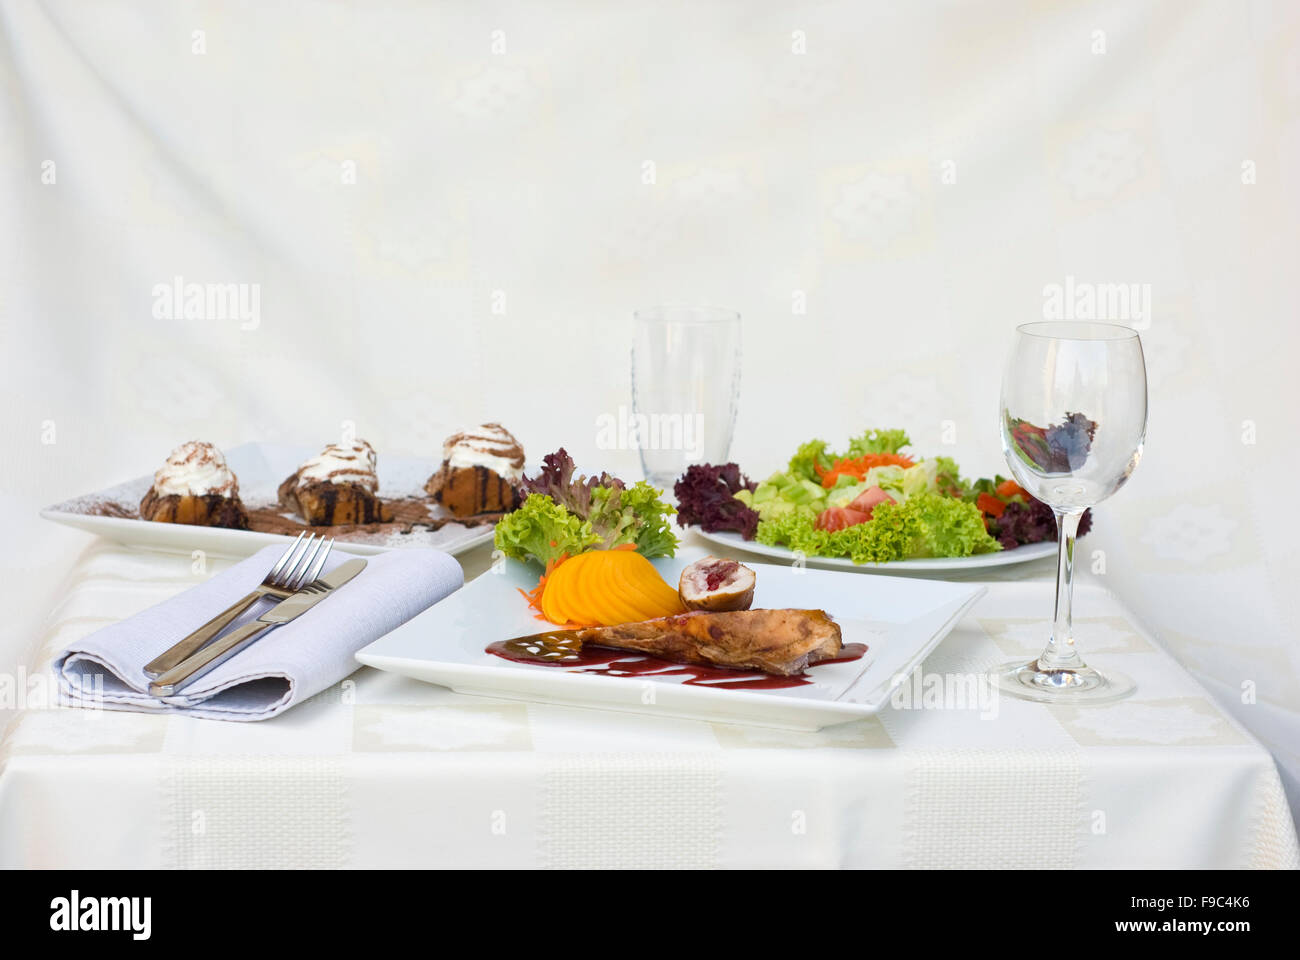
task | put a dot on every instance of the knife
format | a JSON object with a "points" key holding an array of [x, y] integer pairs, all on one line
{"points": [[197, 664]]}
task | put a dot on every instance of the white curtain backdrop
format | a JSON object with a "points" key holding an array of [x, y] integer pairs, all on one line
{"points": [[448, 212]]}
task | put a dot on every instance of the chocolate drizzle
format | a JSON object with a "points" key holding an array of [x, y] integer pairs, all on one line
{"points": [[490, 440], [208, 510], [408, 515]]}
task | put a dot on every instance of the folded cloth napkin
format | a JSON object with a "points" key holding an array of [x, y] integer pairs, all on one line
{"points": [[283, 666]]}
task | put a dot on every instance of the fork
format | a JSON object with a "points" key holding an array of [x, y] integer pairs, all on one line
{"points": [[283, 579], [309, 589]]}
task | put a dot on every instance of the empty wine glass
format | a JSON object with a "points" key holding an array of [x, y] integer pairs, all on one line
{"points": [[1074, 417]]}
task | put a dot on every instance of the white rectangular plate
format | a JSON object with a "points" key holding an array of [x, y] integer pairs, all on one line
{"points": [[901, 621], [260, 468]]}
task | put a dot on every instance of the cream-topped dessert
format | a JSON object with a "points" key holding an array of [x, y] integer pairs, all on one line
{"points": [[195, 469], [491, 446], [337, 486], [479, 471], [339, 463], [195, 486]]}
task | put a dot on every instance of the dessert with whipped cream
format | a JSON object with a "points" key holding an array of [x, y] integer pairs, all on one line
{"points": [[480, 470], [195, 486], [339, 486]]}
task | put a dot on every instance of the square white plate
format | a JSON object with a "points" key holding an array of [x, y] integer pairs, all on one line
{"points": [[901, 621], [261, 467]]}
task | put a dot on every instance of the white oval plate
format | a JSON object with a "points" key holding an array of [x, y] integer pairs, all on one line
{"points": [[1032, 551], [260, 467]]}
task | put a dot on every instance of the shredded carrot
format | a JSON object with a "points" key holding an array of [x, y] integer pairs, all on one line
{"points": [[534, 596], [858, 467]]}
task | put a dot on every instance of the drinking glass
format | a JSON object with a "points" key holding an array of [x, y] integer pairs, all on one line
{"points": [[685, 387], [1074, 418]]}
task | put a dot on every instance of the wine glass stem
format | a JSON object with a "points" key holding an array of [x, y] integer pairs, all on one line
{"points": [[1060, 653]]}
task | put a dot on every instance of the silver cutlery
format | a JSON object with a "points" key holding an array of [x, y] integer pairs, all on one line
{"points": [[221, 650], [289, 573]]}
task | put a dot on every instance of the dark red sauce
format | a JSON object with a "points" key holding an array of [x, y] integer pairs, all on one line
{"points": [[562, 649]]}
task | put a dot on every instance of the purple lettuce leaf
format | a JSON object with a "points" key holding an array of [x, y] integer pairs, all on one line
{"points": [[706, 495]]}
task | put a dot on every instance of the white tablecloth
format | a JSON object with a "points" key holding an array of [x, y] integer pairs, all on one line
{"points": [[881, 191], [382, 771]]}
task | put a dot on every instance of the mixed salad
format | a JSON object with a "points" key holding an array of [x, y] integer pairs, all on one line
{"points": [[564, 514], [872, 503]]}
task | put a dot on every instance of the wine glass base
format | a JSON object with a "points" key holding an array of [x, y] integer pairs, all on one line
{"points": [[1028, 682]]}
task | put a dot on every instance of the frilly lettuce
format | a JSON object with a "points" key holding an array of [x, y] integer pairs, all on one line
{"points": [[633, 515], [878, 441], [567, 513], [948, 478], [925, 525], [544, 531], [809, 456], [948, 527]]}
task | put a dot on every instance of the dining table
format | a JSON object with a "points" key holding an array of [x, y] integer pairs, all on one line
{"points": [[384, 771]]}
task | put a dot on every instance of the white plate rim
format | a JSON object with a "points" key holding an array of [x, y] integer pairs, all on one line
{"points": [[1002, 558], [221, 541], [127, 531]]}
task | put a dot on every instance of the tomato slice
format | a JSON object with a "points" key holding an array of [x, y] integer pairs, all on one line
{"points": [[838, 518], [869, 499], [1009, 488]]}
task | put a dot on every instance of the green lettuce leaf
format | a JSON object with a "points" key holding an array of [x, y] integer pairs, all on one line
{"points": [[924, 525], [633, 515], [567, 513], [544, 531], [802, 464], [946, 527], [878, 441], [921, 478], [948, 478]]}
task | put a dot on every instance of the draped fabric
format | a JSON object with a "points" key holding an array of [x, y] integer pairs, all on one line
{"points": [[401, 218], [380, 770]]}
